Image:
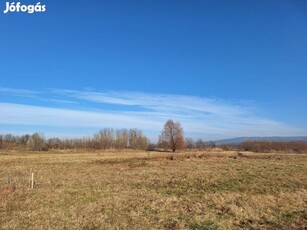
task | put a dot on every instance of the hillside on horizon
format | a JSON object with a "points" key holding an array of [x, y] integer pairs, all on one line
{"points": [[238, 140]]}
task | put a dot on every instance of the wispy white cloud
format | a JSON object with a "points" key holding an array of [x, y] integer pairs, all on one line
{"points": [[37, 95], [18, 92], [60, 101], [159, 102], [201, 117], [38, 115]]}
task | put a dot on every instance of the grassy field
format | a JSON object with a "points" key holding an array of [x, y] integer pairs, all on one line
{"points": [[141, 190]]}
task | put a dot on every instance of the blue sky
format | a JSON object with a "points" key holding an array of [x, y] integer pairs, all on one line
{"points": [[221, 68]]}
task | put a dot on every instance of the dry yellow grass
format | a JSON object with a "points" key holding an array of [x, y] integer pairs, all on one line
{"points": [[141, 190]]}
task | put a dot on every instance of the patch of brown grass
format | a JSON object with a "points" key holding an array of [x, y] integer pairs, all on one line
{"points": [[154, 190]]}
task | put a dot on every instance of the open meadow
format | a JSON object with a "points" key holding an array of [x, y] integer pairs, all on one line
{"points": [[152, 190]]}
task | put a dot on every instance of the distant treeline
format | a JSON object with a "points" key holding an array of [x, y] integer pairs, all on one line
{"points": [[252, 146], [269, 146], [119, 139], [106, 138]]}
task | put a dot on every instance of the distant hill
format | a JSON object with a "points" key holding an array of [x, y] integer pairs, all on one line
{"points": [[239, 140]]}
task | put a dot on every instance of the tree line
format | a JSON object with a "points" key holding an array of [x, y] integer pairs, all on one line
{"points": [[269, 146], [106, 138], [171, 138]]}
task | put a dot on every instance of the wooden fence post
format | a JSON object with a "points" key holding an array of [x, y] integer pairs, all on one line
{"points": [[32, 180]]}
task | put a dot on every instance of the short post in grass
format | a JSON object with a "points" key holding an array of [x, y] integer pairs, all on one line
{"points": [[32, 180]]}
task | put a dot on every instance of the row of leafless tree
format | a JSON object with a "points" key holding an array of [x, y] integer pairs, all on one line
{"points": [[270, 146], [104, 139], [171, 138]]}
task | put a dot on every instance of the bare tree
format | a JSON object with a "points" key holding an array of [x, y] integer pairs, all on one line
{"points": [[172, 136], [189, 143], [105, 138], [137, 140], [24, 139], [54, 143], [36, 142], [121, 138], [200, 144]]}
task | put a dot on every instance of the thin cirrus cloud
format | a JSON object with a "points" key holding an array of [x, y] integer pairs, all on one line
{"points": [[158, 102], [39, 115], [18, 92], [200, 117]]}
